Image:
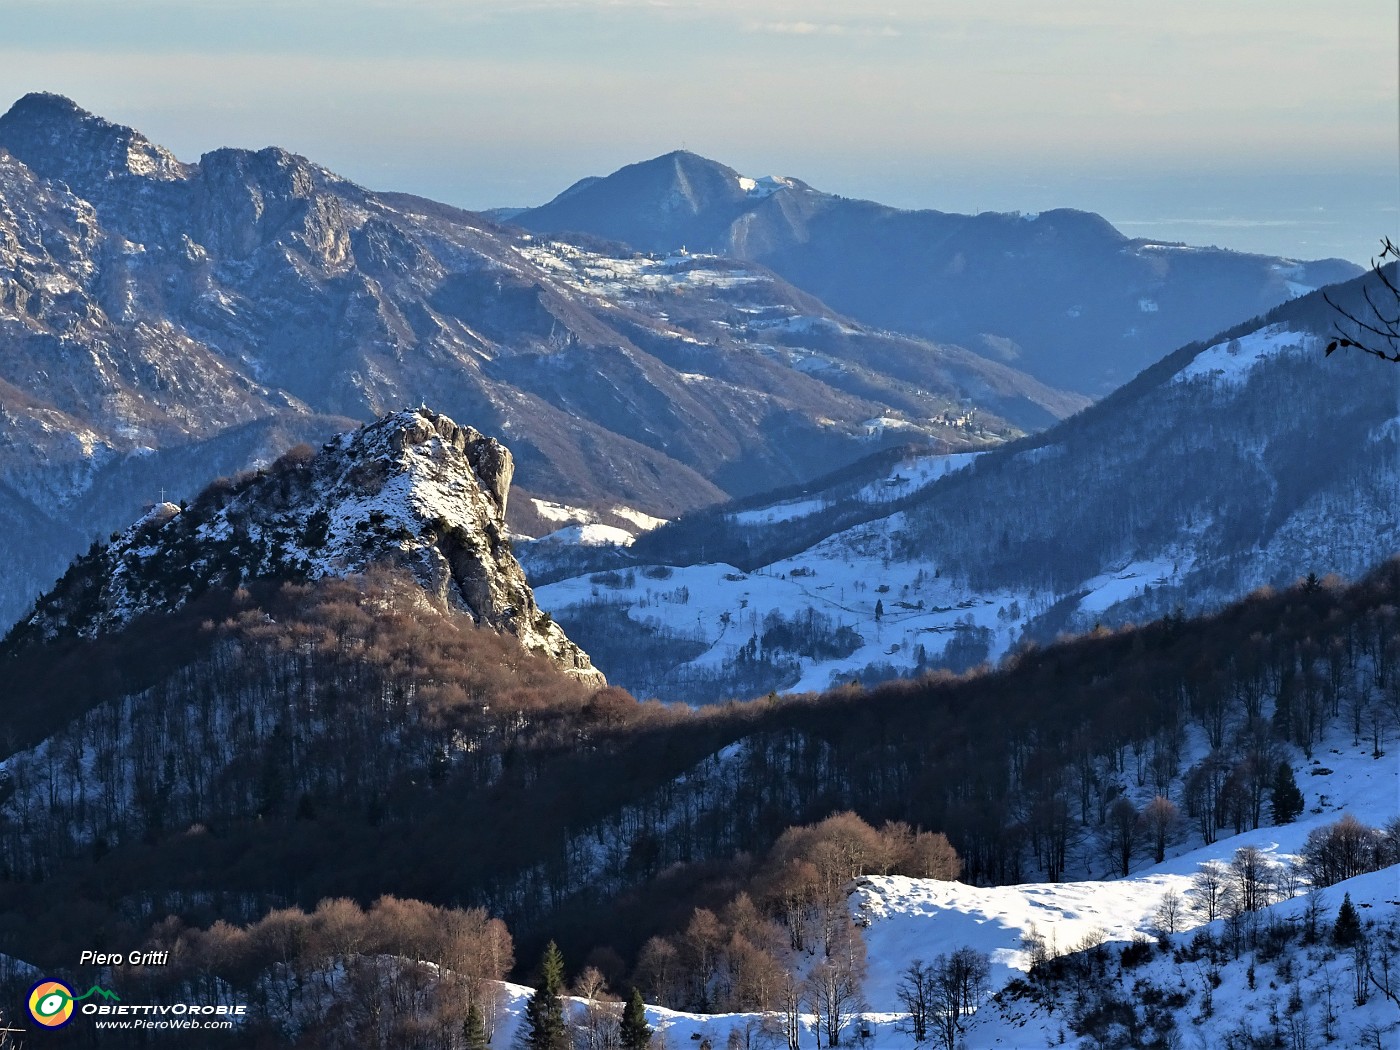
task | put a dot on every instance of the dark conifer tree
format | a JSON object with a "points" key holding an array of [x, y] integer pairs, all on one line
{"points": [[636, 1033], [1348, 929], [474, 1029], [545, 1028], [1287, 799]]}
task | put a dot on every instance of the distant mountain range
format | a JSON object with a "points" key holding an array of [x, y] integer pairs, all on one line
{"points": [[1061, 295], [162, 323], [1252, 461]]}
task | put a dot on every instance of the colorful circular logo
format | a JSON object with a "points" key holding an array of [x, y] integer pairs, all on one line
{"points": [[51, 1003]]}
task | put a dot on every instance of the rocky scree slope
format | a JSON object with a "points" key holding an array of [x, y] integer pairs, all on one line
{"points": [[414, 491], [1061, 294], [167, 321]]}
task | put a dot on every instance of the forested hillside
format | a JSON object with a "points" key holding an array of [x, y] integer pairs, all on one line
{"points": [[222, 778]]}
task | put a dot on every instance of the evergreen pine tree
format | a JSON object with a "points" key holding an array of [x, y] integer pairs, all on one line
{"points": [[474, 1029], [1287, 799], [545, 1028], [636, 1033], [1347, 931]]}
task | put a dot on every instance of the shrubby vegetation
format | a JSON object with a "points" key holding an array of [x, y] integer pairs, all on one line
{"points": [[399, 973], [751, 954]]}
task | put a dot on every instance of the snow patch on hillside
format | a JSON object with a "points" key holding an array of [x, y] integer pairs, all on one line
{"points": [[1231, 362], [1128, 581], [763, 187], [583, 527], [905, 478], [618, 278], [642, 520], [591, 535]]}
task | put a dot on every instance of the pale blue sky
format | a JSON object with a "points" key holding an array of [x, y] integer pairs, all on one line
{"points": [[1260, 124]]}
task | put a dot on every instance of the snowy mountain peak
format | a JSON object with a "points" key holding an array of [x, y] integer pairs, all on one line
{"points": [[421, 435], [60, 140], [413, 491]]}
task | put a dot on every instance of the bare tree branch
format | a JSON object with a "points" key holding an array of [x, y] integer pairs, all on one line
{"points": [[1379, 333]]}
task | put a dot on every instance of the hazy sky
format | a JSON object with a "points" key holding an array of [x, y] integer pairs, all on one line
{"points": [[1268, 125]]}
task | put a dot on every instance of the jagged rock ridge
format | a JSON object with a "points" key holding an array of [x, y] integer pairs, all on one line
{"points": [[414, 490]]}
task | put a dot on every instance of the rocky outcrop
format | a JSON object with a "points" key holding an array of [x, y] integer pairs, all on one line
{"points": [[413, 491], [60, 140]]}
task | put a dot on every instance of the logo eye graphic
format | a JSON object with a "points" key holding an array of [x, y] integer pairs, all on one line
{"points": [[51, 1004]]}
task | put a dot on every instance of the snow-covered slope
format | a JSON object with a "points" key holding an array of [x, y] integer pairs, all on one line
{"points": [[916, 919], [1295, 993], [919, 918], [844, 578], [1253, 461]]}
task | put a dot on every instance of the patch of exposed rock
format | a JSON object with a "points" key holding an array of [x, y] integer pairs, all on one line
{"points": [[414, 490]]}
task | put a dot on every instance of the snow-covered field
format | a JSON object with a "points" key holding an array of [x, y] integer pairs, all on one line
{"points": [[1109, 588], [920, 918], [908, 919], [895, 606], [844, 577]]}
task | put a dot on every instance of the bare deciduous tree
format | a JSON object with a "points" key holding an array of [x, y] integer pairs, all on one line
{"points": [[1121, 832], [834, 986], [1159, 817], [1208, 887], [916, 993], [1251, 874], [1168, 915]]}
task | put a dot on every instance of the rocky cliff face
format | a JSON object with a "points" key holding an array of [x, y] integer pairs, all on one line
{"points": [[413, 491]]}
